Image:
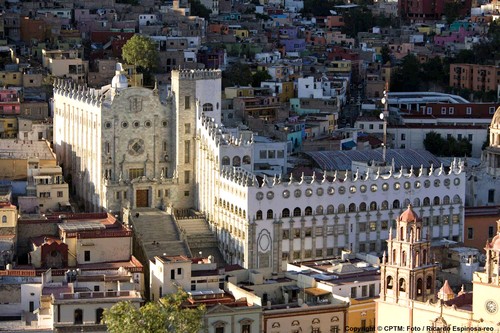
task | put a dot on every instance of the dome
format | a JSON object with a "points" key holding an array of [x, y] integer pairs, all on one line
{"points": [[119, 81], [495, 122], [495, 243], [409, 215]]}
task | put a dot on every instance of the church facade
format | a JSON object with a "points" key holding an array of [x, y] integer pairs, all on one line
{"points": [[408, 286], [123, 146]]}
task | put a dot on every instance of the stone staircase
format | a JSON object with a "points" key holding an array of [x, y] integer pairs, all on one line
{"points": [[199, 237]]}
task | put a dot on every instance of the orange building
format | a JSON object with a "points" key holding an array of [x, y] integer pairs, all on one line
{"points": [[474, 77], [479, 225]]}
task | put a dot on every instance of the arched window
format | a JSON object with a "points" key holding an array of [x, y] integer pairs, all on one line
{"points": [[285, 212], [226, 160], [247, 159], [446, 200], [319, 210], [406, 202], [78, 317], [236, 161], [208, 107], [402, 285], [420, 287], [258, 215], [385, 205], [424, 257], [373, 205], [4, 219], [330, 209], [393, 256], [297, 211], [395, 204], [270, 214], [456, 199], [389, 284], [362, 207], [403, 258], [436, 200], [417, 258], [98, 315], [427, 201], [308, 211], [416, 202], [352, 208], [401, 234], [428, 284], [341, 209]]}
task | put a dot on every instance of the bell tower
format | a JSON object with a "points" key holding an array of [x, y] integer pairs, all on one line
{"points": [[407, 272]]}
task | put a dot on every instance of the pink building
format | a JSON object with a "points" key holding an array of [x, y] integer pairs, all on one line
{"points": [[453, 37], [9, 102]]}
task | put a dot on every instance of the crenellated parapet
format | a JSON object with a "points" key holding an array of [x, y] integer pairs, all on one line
{"points": [[200, 74], [84, 94], [245, 178], [220, 135]]}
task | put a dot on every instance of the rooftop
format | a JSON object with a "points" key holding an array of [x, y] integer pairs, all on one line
{"points": [[24, 149]]}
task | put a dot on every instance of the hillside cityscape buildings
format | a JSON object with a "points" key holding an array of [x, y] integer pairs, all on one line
{"points": [[293, 166]]}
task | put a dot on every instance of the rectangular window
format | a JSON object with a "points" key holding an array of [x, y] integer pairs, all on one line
{"points": [[86, 256], [308, 253], [372, 290], [451, 110], [381, 127], [245, 328], [362, 227], [308, 232], [492, 110], [384, 224], [284, 256], [334, 329], [263, 154], [296, 233], [372, 247], [490, 231], [135, 173], [329, 229], [364, 291], [468, 110], [491, 196], [470, 233], [429, 110], [186, 177], [353, 292], [187, 102], [187, 151], [59, 194], [403, 136], [319, 231], [160, 193], [271, 154], [445, 219], [187, 128], [469, 137], [455, 218], [373, 226], [329, 251], [186, 193], [435, 220], [319, 253], [280, 153], [362, 248], [285, 234], [296, 254], [443, 110]]}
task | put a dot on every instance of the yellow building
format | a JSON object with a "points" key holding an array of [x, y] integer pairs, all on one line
{"points": [[241, 33], [8, 127], [340, 66], [361, 313], [408, 299], [8, 78], [232, 92], [16, 154]]}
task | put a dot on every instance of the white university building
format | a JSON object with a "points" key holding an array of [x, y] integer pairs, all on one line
{"points": [[123, 146]]}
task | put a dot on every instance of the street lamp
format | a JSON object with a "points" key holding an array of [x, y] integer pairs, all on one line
{"points": [[384, 115]]}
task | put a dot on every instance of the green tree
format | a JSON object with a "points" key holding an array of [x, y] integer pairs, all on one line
{"points": [[408, 76], [385, 52], [141, 52], [260, 76], [434, 143], [198, 9], [237, 74], [165, 315]]}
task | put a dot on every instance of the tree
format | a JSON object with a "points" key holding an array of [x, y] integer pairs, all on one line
{"points": [[385, 52], [198, 9], [260, 76], [237, 74], [408, 76], [433, 142], [165, 315], [140, 51]]}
